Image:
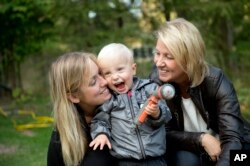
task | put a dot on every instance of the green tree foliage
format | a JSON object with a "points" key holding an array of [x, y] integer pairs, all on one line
{"points": [[35, 28], [24, 28], [224, 26], [89, 24]]}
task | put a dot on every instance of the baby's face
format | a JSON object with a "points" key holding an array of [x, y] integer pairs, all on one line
{"points": [[119, 72]]}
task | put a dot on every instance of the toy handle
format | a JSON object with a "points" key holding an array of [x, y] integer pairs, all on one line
{"points": [[141, 118]]}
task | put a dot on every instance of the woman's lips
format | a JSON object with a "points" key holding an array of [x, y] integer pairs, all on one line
{"points": [[104, 91], [162, 71]]}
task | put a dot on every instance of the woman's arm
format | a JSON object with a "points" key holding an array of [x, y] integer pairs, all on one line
{"points": [[230, 124], [181, 140]]}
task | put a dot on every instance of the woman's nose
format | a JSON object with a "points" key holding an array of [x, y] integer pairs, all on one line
{"points": [[158, 61]]}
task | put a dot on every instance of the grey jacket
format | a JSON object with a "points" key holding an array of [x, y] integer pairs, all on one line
{"points": [[116, 119]]}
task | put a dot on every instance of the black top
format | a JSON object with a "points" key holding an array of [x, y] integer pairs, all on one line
{"points": [[92, 157]]}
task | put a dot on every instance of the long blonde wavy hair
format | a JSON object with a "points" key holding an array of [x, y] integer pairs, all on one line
{"points": [[66, 76], [185, 43]]}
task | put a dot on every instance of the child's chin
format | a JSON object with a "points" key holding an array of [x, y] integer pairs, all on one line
{"points": [[120, 91]]}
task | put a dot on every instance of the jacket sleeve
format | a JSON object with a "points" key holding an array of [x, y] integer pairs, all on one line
{"points": [[100, 124], [230, 124], [181, 140], [54, 155], [165, 115]]}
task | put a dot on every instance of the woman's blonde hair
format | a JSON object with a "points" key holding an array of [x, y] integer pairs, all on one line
{"points": [[66, 76], [186, 45]]}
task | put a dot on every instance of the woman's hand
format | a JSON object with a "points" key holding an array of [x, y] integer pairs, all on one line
{"points": [[101, 140], [211, 146], [153, 110]]}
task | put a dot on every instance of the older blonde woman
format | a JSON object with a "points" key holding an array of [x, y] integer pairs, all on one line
{"points": [[206, 121]]}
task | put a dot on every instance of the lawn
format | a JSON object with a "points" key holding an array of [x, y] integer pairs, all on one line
{"points": [[27, 147], [22, 148]]}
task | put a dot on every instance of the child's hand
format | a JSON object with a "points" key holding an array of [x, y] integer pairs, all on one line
{"points": [[101, 140], [153, 110]]}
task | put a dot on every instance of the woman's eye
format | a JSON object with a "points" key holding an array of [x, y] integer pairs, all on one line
{"points": [[169, 56], [106, 74], [92, 82], [164, 55], [156, 52]]}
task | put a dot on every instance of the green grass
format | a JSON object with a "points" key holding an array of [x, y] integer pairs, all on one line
{"points": [[27, 148]]}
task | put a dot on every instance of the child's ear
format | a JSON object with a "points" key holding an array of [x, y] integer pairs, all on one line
{"points": [[134, 68], [73, 97]]}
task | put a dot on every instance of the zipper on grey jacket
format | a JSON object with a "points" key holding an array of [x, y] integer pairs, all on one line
{"points": [[136, 127]]}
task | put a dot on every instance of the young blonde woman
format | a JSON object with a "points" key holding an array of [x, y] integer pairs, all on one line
{"points": [[206, 121], [76, 89]]}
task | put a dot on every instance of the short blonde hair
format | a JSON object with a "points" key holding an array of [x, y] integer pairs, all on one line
{"points": [[186, 45], [116, 49]]}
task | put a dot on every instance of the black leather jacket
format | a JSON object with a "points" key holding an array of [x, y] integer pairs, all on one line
{"points": [[218, 105]]}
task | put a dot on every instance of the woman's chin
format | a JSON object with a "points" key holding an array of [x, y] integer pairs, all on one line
{"points": [[106, 95], [163, 78]]}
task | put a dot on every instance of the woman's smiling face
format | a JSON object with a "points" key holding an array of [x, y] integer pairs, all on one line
{"points": [[94, 91], [168, 69]]}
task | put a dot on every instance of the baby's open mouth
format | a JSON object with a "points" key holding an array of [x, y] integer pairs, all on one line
{"points": [[120, 86]]}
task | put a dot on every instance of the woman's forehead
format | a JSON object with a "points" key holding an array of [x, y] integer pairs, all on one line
{"points": [[91, 71]]}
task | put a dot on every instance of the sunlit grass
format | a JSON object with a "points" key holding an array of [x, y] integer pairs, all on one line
{"points": [[27, 147]]}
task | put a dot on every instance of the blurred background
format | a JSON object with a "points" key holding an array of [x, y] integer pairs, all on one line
{"points": [[33, 33]]}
